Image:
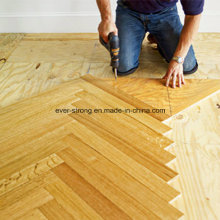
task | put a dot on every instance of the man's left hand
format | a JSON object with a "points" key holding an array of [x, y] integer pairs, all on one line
{"points": [[174, 74]]}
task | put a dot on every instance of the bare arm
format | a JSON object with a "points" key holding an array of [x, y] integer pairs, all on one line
{"points": [[190, 29], [107, 24], [175, 70]]}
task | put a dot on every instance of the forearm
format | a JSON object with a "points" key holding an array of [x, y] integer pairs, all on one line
{"points": [[105, 9], [190, 28]]}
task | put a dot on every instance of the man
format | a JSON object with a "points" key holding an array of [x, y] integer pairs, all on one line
{"points": [[160, 18]]}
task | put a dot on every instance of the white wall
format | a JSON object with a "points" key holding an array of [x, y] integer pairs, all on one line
{"points": [[73, 16]]}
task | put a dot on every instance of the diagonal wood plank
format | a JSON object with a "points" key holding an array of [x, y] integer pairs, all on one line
{"points": [[143, 129], [34, 214], [16, 194], [120, 179], [28, 173], [146, 159], [71, 202], [114, 101], [125, 144], [145, 176], [53, 210], [26, 203], [88, 193], [124, 96], [130, 206], [31, 152], [141, 142]]}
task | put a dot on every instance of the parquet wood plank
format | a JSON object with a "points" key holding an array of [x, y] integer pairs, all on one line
{"points": [[34, 214], [26, 203], [121, 179], [130, 206], [32, 131], [124, 96], [150, 91], [146, 159], [144, 129], [113, 101], [72, 203], [28, 173], [27, 188], [147, 145], [145, 176], [89, 194], [54, 211], [31, 152]]}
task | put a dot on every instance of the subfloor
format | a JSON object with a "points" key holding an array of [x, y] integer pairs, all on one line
{"points": [[37, 62]]}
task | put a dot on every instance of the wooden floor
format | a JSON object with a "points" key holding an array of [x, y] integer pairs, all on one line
{"points": [[38, 62]]}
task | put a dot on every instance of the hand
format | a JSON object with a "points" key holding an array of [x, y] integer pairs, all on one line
{"points": [[105, 28], [174, 73]]}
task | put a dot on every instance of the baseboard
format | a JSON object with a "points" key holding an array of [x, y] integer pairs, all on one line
{"points": [[49, 23], [82, 22]]}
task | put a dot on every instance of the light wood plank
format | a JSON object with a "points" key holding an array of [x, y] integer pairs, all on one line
{"points": [[122, 95], [145, 176], [28, 188], [122, 180], [26, 203], [146, 159], [148, 145], [28, 173], [54, 211], [130, 206], [34, 214], [89, 194], [117, 102], [144, 129], [71, 201]]}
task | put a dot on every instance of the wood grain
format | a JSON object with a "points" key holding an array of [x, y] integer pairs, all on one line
{"points": [[145, 176], [198, 148], [116, 102], [142, 156], [88, 192], [150, 144], [23, 80], [52, 51], [123, 96], [175, 100], [120, 179], [195, 130], [71, 202]]}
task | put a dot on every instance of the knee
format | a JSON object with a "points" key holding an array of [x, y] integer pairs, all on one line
{"points": [[127, 66], [190, 67]]}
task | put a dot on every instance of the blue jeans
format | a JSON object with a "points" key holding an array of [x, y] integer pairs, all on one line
{"points": [[165, 26]]}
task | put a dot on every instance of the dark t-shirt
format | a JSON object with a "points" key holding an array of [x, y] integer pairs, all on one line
{"points": [[190, 7]]}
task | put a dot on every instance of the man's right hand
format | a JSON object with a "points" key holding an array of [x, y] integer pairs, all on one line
{"points": [[105, 28]]}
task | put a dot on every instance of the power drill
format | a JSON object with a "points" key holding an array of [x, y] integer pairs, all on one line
{"points": [[113, 47]]}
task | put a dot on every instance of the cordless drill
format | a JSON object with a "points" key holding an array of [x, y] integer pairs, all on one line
{"points": [[113, 47]]}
